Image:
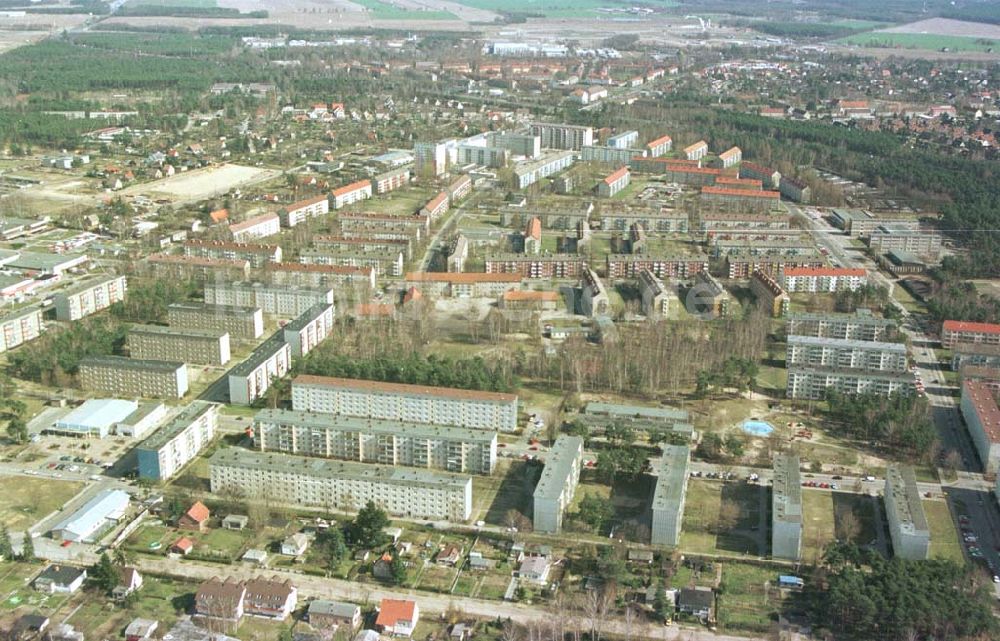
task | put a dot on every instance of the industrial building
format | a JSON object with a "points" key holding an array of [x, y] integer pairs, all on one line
{"points": [[164, 453], [400, 402], [342, 485], [366, 440], [120, 376], [249, 380], [159, 343], [786, 509], [89, 297], [556, 487], [669, 495], [93, 518], [97, 417], [908, 528]]}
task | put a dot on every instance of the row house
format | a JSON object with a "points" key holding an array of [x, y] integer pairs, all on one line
{"points": [[228, 601]]}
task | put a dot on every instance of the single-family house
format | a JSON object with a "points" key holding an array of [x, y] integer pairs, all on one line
{"points": [[295, 545], [196, 518], [697, 602], [129, 580], [449, 555], [60, 579], [397, 617], [333, 614], [534, 569]]}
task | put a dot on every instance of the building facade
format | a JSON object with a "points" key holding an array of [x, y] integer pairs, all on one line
{"points": [[251, 379], [309, 330], [860, 326], [953, 332], [159, 343], [89, 297], [560, 136], [813, 382], [908, 528], [120, 376], [241, 323], [171, 447], [656, 298], [982, 419], [19, 327], [255, 228], [536, 266], [303, 210], [823, 279], [286, 302], [869, 356]]}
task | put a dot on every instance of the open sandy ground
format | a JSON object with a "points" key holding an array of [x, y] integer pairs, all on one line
{"points": [[947, 27]]}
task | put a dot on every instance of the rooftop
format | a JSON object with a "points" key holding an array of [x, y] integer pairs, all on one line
{"points": [[235, 457], [252, 222], [671, 483], [786, 500], [191, 413], [108, 504], [901, 481], [745, 193], [163, 330], [842, 272], [636, 411], [981, 398], [403, 388], [215, 310], [261, 354], [559, 465], [122, 362], [340, 422], [99, 412], [842, 343], [963, 326], [308, 316], [354, 186]]}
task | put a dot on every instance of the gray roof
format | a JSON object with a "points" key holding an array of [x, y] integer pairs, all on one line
{"points": [[61, 574], [264, 351], [901, 481], [786, 498], [214, 309], [20, 313], [636, 411], [42, 261], [843, 343], [672, 480], [163, 330], [333, 608], [307, 317], [324, 468], [859, 316], [178, 424], [558, 466], [122, 362], [340, 422], [87, 283], [901, 377]]}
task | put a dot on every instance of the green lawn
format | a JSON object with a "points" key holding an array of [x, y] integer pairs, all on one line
{"points": [[824, 516], [700, 533], [388, 11], [746, 603], [924, 41], [25, 500], [944, 536]]}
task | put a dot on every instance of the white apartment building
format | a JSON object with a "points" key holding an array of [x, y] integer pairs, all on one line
{"points": [[353, 193], [159, 343], [860, 326], [258, 255], [696, 151], [730, 157], [400, 402], [241, 323], [813, 382], [249, 380], [285, 302], [342, 485], [124, 377], [19, 327], [908, 528], [659, 147], [668, 497], [303, 210], [530, 172], [89, 297], [786, 509], [560, 136], [822, 279], [656, 298], [391, 180], [365, 440], [870, 356], [257, 227], [624, 140], [309, 330], [164, 453], [614, 183], [982, 419], [431, 158], [556, 487]]}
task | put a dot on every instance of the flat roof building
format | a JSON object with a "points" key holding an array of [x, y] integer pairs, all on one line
{"points": [[93, 517], [96, 417], [786, 509], [251, 379], [88, 297], [171, 447], [982, 418], [556, 487], [19, 327], [201, 346], [859, 326], [669, 495], [401, 402], [309, 330], [121, 376], [241, 323], [813, 383], [908, 528], [365, 440], [283, 301], [290, 479], [870, 356]]}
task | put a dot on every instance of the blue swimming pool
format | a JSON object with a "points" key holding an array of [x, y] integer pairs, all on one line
{"points": [[757, 428]]}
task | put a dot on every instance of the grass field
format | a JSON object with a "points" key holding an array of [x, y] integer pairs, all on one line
{"points": [[944, 537], [547, 8], [23, 500], [699, 533], [388, 11], [925, 41], [824, 519], [746, 603]]}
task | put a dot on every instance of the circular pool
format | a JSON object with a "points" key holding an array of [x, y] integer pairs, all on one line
{"points": [[755, 427]]}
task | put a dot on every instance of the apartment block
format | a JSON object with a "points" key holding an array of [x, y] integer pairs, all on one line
{"points": [[286, 302], [860, 326], [540, 266], [656, 298], [159, 343], [436, 207], [668, 497], [350, 194], [770, 178], [624, 140], [241, 323], [740, 265], [715, 221], [559, 136], [794, 189], [869, 356], [780, 247], [391, 180], [710, 296], [659, 220], [528, 145], [481, 154], [19, 327], [458, 255], [459, 188], [975, 355], [251, 379], [696, 151], [814, 382], [89, 297], [739, 183], [309, 330], [431, 158], [594, 299], [694, 175], [739, 199], [320, 276], [730, 157], [170, 266], [400, 402], [366, 440], [529, 172], [614, 156], [860, 223], [614, 183], [982, 419], [386, 261], [953, 332], [370, 224], [342, 485], [922, 242], [303, 210], [908, 528], [171, 447], [255, 228], [463, 285], [786, 509], [823, 279], [629, 265], [556, 487], [659, 147], [258, 255], [769, 294], [125, 377]]}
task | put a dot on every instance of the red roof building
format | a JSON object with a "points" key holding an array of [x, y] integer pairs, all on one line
{"points": [[196, 518], [953, 332], [397, 617]]}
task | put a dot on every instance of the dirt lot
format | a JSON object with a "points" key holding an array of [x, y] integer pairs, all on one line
{"points": [[201, 183], [947, 27]]}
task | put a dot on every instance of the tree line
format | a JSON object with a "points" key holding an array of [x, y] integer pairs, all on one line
{"points": [[54, 358], [900, 422]]}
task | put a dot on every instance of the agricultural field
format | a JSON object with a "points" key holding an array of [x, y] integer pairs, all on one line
{"points": [[556, 9], [25, 500], [924, 41]]}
